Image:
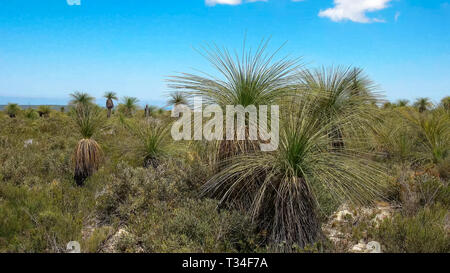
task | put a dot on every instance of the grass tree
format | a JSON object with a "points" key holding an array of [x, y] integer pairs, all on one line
{"points": [[79, 99], [88, 154], [44, 111], [110, 98], [13, 109], [279, 189], [402, 103], [150, 110], [341, 92], [434, 138], [153, 140], [445, 103], [423, 104], [254, 78], [128, 106], [30, 113], [177, 98]]}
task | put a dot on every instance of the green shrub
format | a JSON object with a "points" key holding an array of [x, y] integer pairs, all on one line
{"points": [[133, 189], [426, 232], [41, 219], [190, 226]]}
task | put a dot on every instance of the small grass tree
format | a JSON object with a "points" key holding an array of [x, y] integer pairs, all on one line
{"points": [[13, 109], [129, 106], [44, 111], [341, 92], [177, 98], [153, 140], [80, 99]]}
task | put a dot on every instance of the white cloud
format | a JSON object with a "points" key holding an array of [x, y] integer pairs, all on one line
{"points": [[354, 10], [223, 2], [229, 2]]}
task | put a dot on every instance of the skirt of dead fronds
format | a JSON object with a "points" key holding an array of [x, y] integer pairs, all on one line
{"points": [[231, 148], [289, 215], [87, 158]]}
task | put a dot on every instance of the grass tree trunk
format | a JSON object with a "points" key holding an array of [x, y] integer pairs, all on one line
{"points": [[291, 219], [109, 106], [147, 112]]}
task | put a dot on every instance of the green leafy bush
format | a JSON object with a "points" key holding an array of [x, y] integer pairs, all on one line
{"points": [[41, 219], [426, 232]]}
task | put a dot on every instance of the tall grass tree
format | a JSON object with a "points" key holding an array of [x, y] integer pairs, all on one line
{"points": [[423, 104], [279, 189], [250, 78], [110, 98]]}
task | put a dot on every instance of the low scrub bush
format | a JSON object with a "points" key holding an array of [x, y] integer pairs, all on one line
{"points": [[426, 232]]}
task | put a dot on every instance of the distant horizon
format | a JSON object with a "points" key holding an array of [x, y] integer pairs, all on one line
{"points": [[33, 101]]}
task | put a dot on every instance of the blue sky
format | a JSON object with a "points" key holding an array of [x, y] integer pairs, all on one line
{"points": [[49, 48]]}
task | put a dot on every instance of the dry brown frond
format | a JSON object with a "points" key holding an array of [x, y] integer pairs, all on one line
{"points": [[86, 158]]}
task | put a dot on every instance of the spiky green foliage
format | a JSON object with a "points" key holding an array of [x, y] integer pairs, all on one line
{"points": [[30, 113], [177, 98], [278, 189], [445, 103], [81, 98], [88, 119], [394, 138], [434, 134], [13, 109], [254, 78], [402, 103], [110, 95], [342, 92], [423, 104], [128, 106], [153, 143], [44, 110]]}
